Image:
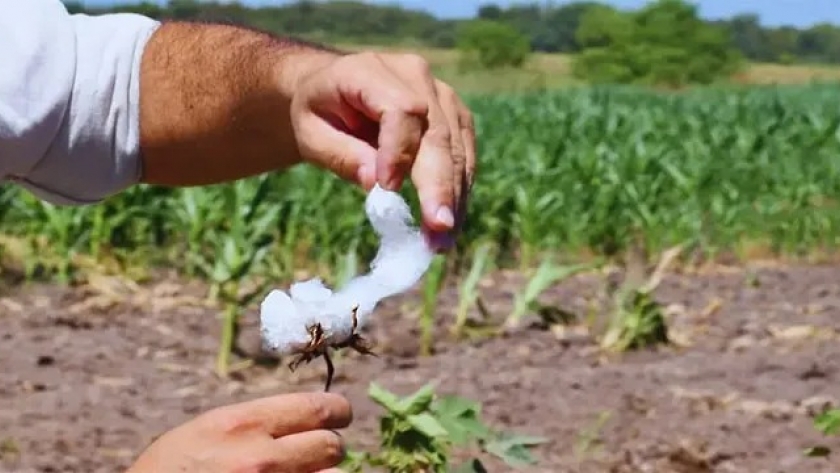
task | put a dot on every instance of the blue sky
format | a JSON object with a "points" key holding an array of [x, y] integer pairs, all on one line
{"points": [[771, 12]]}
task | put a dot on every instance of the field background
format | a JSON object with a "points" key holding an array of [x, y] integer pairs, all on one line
{"points": [[553, 71], [112, 314]]}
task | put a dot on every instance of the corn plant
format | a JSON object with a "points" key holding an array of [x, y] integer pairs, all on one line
{"points": [[547, 274], [432, 284], [564, 173], [589, 439], [637, 319], [237, 250], [56, 235], [468, 288], [728, 168], [348, 266], [196, 211]]}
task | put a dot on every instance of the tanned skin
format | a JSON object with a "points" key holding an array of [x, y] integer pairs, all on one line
{"points": [[222, 102], [214, 105]]}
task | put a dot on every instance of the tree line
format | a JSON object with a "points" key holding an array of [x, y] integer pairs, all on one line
{"points": [[546, 28]]}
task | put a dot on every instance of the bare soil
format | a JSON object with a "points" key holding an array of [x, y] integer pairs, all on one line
{"points": [[88, 378]]}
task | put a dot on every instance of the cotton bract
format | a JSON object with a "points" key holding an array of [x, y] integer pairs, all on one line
{"points": [[401, 260]]}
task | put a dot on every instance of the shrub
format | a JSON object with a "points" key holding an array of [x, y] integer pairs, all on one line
{"points": [[665, 43], [491, 44]]}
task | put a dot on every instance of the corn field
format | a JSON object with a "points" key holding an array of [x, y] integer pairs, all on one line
{"points": [[578, 170]]}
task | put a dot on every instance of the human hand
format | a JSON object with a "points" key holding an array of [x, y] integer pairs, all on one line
{"points": [[279, 434], [373, 117]]}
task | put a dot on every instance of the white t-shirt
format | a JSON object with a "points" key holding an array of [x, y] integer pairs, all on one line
{"points": [[69, 90]]}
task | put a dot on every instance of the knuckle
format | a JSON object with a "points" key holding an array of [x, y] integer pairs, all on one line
{"points": [[459, 155], [447, 92], [440, 136], [467, 120], [458, 149], [340, 166], [319, 411], [416, 105], [418, 63], [228, 420], [403, 158], [411, 103]]}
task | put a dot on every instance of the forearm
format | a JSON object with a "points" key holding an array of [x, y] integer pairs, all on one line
{"points": [[215, 102]]}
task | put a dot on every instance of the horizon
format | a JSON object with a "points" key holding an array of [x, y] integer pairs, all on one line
{"points": [[797, 13]]}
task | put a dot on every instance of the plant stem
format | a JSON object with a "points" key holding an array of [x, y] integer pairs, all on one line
{"points": [[227, 341]]}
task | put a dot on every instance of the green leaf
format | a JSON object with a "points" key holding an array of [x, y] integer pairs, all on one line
{"points": [[513, 449], [417, 402], [383, 397], [456, 405], [461, 418], [428, 425], [828, 422], [354, 461]]}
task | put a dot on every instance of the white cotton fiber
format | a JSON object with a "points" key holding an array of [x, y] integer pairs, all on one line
{"points": [[402, 259]]}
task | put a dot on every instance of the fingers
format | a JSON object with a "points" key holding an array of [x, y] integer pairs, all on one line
{"points": [[432, 170], [334, 137], [399, 111], [445, 166], [399, 91], [424, 129], [462, 146], [467, 126], [285, 414], [306, 452], [399, 139], [350, 158]]}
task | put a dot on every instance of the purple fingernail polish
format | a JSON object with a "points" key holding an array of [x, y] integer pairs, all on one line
{"points": [[440, 241]]}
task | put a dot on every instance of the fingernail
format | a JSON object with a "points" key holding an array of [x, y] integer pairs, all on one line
{"points": [[366, 175], [444, 216]]}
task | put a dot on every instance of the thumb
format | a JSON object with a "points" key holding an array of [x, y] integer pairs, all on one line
{"points": [[346, 156]]}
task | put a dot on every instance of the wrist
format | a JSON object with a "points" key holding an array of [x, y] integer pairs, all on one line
{"points": [[298, 63]]}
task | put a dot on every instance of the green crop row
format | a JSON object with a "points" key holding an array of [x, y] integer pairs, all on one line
{"points": [[568, 171]]}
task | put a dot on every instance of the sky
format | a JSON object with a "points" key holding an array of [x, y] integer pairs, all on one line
{"points": [[771, 12]]}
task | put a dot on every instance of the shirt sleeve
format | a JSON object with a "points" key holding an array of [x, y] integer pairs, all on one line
{"points": [[69, 100]]}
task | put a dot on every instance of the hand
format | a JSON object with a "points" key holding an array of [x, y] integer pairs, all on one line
{"points": [[286, 433], [376, 118]]}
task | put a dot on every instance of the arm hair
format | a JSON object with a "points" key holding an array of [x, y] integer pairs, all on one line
{"points": [[215, 102]]}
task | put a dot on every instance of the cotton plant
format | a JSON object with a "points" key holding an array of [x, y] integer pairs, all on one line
{"points": [[311, 318]]}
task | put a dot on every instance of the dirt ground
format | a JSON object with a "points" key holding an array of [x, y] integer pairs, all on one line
{"points": [[87, 381]]}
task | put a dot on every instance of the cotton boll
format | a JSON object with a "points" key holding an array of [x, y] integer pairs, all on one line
{"points": [[283, 327], [309, 298], [388, 213], [403, 255], [337, 320], [402, 259], [312, 291]]}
